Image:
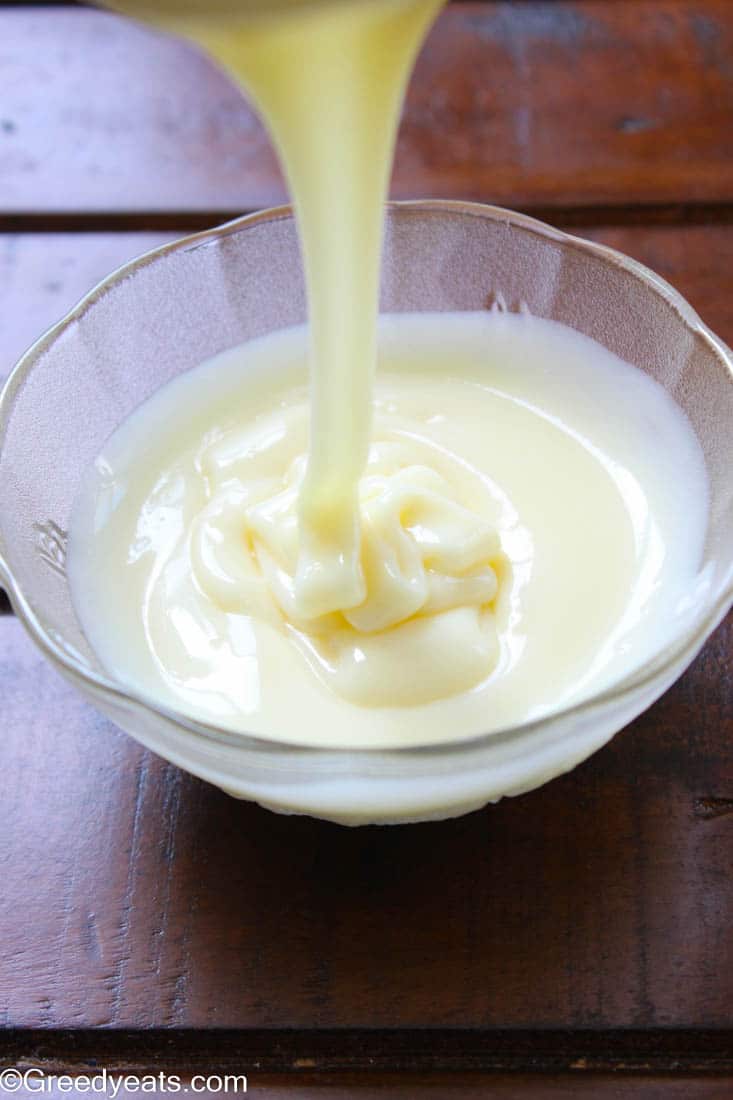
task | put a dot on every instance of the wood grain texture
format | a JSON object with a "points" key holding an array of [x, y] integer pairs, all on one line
{"points": [[696, 260], [603, 900], [468, 1087], [42, 275], [460, 1087], [554, 103]]}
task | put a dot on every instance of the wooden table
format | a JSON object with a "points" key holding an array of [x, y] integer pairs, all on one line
{"points": [[573, 942]]}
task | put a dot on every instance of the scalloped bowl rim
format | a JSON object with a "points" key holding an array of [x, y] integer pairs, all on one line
{"points": [[677, 653]]}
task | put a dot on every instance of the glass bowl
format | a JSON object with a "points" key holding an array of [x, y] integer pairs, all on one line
{"points": [[187, 301]]}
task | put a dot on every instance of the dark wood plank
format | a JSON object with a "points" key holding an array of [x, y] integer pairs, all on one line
{"points": [[556, 103], [479, 1086], [507, 1088], [461, 1087], [697, 260], [136, 896]]}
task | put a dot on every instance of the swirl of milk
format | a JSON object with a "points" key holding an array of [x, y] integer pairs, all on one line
{"points": [[420, 624]]}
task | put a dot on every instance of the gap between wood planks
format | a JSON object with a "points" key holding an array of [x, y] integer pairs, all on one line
{"points": [[570, 217], [627, 1052]]}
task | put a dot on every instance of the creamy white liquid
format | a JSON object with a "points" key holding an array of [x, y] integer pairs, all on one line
{"points": [[583, 472]]}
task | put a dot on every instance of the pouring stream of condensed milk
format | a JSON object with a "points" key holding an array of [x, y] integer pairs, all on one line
{"points": [[334, 125]]}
